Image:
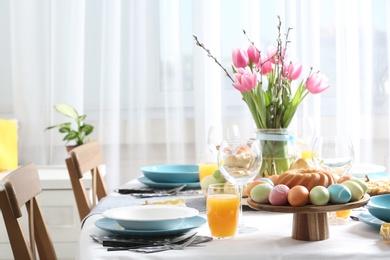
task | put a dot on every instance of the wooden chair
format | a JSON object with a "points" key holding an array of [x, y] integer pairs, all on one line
{"points": [[20, 188], [86, 158]]}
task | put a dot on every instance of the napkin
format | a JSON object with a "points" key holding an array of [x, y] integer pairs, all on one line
{"points": [[385, 231], [8, 145], [178, 202]]}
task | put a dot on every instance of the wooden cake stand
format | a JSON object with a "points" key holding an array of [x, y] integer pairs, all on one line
{"points": [[310, 223]]}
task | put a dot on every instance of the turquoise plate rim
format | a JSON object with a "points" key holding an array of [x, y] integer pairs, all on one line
{"points": [[110, 225], [171, 173], [151, 183], [369, 219]]}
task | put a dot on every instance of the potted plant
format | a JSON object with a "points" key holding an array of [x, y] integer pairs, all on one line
{"points": [[79, 134]]}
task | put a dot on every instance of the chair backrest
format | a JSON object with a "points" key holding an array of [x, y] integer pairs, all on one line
{"points": [[20, 188], [86, 158]]}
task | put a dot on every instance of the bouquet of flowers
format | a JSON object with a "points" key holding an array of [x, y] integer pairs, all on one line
{"points": [[265, 82]]}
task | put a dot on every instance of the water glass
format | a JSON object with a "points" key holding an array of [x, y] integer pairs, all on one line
{"points": [[207, 165]]}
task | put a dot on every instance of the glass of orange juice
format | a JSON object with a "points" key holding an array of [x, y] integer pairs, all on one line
{"points": [[207, 165], [222, 210]]}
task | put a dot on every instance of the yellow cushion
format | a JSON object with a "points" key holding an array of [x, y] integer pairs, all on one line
{"points": [[8, 145]]}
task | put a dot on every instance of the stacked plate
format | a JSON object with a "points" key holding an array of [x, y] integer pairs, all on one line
{"points": [[150, 220], [373, 172], [171, 176]]}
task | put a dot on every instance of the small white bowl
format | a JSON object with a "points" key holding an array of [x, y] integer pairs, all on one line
{"points": [[150, 217]]}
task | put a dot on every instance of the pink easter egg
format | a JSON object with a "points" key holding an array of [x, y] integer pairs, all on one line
{"points": [[278, 195]]}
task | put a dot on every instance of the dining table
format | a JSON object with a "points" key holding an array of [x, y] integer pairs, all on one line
{"points": [[272, 239]]}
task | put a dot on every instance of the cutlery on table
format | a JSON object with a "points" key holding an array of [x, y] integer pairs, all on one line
{"points": [[117, 241], [154, 249], [132, 191], [153, 195], [196, 242]]}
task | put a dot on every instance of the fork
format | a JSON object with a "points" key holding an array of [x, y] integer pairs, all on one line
{"points": [[170, 191], [183, 245], [159, 193], [154, 249]]}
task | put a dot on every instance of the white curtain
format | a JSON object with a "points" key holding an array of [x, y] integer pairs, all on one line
{"points": [[151, 93]]}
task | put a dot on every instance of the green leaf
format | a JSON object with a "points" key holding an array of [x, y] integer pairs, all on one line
{"points": [[59, 125], [71, 136], [81, 118], [66, 110], [64, 130], [87, 129]]}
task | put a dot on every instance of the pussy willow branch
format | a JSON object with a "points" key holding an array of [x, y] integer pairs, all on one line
{"points": [[211, 56]]}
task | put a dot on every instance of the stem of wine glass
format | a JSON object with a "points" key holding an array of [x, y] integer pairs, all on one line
{"points": [[240, 217]]}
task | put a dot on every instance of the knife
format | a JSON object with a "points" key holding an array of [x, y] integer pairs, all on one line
{"points": [[123, 245], [135, 190], [149, 190]]}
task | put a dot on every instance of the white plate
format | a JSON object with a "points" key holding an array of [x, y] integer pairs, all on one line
{"points": [[150, 217], [112, 226], [362, 169]]}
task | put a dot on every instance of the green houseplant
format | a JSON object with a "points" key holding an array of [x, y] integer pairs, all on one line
{"points": [[78, 134]]}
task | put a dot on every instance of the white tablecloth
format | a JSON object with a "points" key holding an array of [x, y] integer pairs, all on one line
{"points": [[355, 240]]}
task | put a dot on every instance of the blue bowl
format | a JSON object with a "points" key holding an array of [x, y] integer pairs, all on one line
{"points": [[379, 207], [172, 173]]}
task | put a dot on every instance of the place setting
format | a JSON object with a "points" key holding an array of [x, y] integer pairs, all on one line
{"points": [[164, 180], [150, 228], [155, 225], [170, 175]]}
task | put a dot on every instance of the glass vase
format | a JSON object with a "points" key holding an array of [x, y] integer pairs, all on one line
{"points": [[278, 148]]}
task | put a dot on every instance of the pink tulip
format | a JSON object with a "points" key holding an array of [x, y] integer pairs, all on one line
{"points": [[253, 54], [245, 80], [317, 83], [292, 70], [265, 65], [240, 58]]}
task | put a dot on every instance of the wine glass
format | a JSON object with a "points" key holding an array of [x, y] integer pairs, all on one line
{"points": [[333, 153], [217, 133], [336, 155], [239, 162], [305, 133]]}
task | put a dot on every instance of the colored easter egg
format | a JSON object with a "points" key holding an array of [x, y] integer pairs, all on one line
{"points": [[298, 196], [319, 196], [260, 193], [267, 180], [339, 193], [356, 190], [278, 195]]}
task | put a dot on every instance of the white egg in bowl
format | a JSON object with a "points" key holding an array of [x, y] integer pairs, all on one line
{"points": [[150, 217]]}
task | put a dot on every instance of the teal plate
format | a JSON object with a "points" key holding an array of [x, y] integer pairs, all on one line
{"points": [[146, 181], [168, 173], [369, 219], [110, 225]]}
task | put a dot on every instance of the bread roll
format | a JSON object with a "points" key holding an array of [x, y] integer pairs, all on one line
{"points": [[238, 160], [301, 163]]}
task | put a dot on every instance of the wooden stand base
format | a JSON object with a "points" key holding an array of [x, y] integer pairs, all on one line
{"points": [[310, 223], [310, 226]]}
